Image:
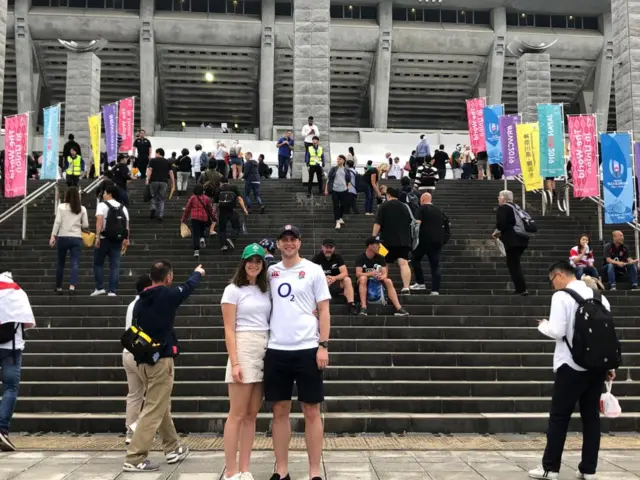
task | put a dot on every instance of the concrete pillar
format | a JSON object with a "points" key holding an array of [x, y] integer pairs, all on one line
{"points": [[267, 66], [603, 74], [585, 101], [383, 65], [534, 84], [311, 74], [3, 48], [24, 60], [625, 15], [495, 69], [148, 85], [82, 97]]}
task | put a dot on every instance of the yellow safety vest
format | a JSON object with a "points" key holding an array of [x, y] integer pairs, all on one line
{"points": [[315, 157], [75, 166]]}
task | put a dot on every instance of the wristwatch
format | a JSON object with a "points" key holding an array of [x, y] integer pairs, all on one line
{"points": [[324, 345]]}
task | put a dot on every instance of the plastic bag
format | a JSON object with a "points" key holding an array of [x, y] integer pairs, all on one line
{"points": [[609, 405], [185, 231]]}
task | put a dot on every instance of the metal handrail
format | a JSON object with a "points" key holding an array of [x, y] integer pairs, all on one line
{"points": [[93, 185], [25, 202]]}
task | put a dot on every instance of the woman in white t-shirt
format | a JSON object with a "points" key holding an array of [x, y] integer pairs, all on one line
{"points": [[246, 306]]}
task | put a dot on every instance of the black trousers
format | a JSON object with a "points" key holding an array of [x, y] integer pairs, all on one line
{"points": [[317, 170], [73, 180], [221, 167], [515, 268], [432, 251], [442, 172], [571, 386], [340, 204], [198, 228], [225, 216], [353, 203]]}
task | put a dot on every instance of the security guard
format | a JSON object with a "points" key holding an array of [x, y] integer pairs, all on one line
{"points": [[315, 163], [75, 167]]}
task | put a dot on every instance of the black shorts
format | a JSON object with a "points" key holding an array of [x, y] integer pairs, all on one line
{"points": [[283, 367], [397, 252], [336, 290], [549, 178]]}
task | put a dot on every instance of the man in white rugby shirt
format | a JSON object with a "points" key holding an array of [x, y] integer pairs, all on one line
{"points": [[298, 349]]}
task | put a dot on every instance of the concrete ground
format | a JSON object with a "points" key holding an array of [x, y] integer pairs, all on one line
{"points": [[338, 465]]}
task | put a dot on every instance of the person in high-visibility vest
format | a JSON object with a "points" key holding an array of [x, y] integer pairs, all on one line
{"points": [[315, 163], [74, 165]]}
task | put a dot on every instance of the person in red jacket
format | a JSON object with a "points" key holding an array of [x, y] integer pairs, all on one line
{"points": [[200, 212], [581, 258]]}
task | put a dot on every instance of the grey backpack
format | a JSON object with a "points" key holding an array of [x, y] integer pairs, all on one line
{"points": [[525, 225]]}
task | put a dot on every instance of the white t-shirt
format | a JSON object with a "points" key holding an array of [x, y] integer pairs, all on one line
{"points": [[128, 319], [396, 170], [19, 341], [295, 293], [103, 210], [252, 307], [309, 132]]}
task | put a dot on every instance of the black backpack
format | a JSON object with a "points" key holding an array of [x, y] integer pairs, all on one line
{"points": [[595, 345], [227, 198], [8, 332], [116, 228], [413, 201]]}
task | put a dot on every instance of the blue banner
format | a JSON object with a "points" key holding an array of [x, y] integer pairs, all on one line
{"points": [[491, 115], [51, 139], [551, 140], [617, 177]]}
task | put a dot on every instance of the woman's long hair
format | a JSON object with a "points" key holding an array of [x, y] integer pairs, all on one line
{"points": [[383, 168], [580, 238], [72, 197], [240, 278]]}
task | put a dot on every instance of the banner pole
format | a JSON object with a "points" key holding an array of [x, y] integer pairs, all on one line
{"points": [[524, 197], [601, 202], [636, 234], [567, 197], [26, 177]]}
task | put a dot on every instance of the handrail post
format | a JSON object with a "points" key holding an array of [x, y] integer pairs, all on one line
{"points": [[524, 197], [56, 202], [567, 198]]}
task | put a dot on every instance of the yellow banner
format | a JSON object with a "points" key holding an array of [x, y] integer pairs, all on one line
{"points": [[529, 150], [95, 124]]}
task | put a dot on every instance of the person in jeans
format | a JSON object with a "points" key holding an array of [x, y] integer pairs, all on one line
{"points": [[581, 258], [105, 247], [227, 199], [135, 384], [338, 182], [15, 317], [617, 261], [158, 175], [573, 384], [372, 178], [155, 312], [514, 244], [66, 236], [121, 176], [353, 189], [200, 212], [314, 159], [184, 171], [252, 181], [285, 147]]}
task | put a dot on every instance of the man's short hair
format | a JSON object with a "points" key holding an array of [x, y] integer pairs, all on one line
{"points": [[315, 137], [441, 147], [144, 281], [563, 266], [111, 189], [160, 151], [310, 118], [392, 192], [198, 147], [160, 270], [342, 157], [405, 182], [224, 179]]}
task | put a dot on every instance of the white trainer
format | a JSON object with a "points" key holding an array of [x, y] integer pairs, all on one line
{"points": [[586, 476], [542, 474]]}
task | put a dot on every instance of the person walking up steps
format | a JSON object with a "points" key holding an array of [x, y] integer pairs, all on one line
{"points": [[228, 198], [298, 350], [315, 164]]}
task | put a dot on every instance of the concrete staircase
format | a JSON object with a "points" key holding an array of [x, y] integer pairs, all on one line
{"points": [[469, 361]]}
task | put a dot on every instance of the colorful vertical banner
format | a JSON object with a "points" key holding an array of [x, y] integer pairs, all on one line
{"points": [[50, 142], [94, 132], [636, 156], [125, 123], [16, 134], [476, 123], [529, 151], [617, 177], [490, 116], [551, 127], [583, 152], [110, 118], [509, 145]]}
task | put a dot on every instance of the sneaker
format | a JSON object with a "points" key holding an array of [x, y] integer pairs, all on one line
{"points": [[418, 286], [196, 253], [338, 225], [177, 455], [96, 292], [363, 311], [401, 312], [111, 294], [308, 195], [58, 291], [434, 294], [369, 213], [276, 476], [316, 478], [224, 248], [543, 474], [341, 221], [5, 443], [246, 476], [634, 287], [237, 476], [586, 476], [262, 210], [612, 288], [203, 244], [231, 244], [405, 291], [145, 466], [353, 310]]}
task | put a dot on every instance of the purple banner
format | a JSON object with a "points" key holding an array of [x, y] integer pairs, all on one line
{"points": [[509, 140], [110, 116]]}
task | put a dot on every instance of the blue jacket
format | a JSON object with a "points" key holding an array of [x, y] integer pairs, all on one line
{"points": [[155, 312], [285, 150], [251, 171], [307, 158]]}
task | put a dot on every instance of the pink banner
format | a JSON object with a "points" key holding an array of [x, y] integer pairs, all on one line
{"points": [[583, 151], [125, 123], [15, 155], [475, 118]]}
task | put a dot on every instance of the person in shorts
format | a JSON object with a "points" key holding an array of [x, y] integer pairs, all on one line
{"points": [[298, 349], [245, 312], [335, 271]]}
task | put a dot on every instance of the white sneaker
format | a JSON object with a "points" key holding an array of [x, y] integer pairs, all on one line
{"points": [[418, 286], [542, 474], [95, 293], [203, 244], [111, 294], [338, 225], [434, 294], [586, 476], [177, 455], [341, 221], [246, 476], [237, 476], [405, 291]]}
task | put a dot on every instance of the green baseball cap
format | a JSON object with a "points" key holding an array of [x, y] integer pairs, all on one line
{"points": [[251, 250]]}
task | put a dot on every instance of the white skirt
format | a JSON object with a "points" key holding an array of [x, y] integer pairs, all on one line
{"points": [[250, 350]]}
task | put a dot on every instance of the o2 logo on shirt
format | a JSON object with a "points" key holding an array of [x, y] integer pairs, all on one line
{"points": [[284, 290]]}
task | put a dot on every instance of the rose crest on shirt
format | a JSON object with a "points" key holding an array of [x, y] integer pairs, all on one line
{"points": [[301, 275]]}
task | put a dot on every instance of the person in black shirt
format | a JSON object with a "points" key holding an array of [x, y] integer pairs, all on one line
{"points": [[143, 149], [440, 160], [393, 223], [336, 272], [158, 175], [120, 176], [514, 244], [66, 150], [184, 171], [372, 265], [618, 262], [434, 228], [227, 198]]}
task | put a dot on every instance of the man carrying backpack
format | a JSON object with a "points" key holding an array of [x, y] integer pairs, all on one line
{"points": [[227, 198], [586, 353], [16, 316], [112, 221]]}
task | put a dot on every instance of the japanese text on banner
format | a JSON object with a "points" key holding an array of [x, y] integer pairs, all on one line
{"points": [[529, 150], [50, 143], [15, 160], [110, 114], [94, 131], [476, 124], [583, 154], [125, 123], [617, 177]]}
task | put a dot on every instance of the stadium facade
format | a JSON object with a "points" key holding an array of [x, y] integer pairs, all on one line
{"points": [[404, 64]]}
